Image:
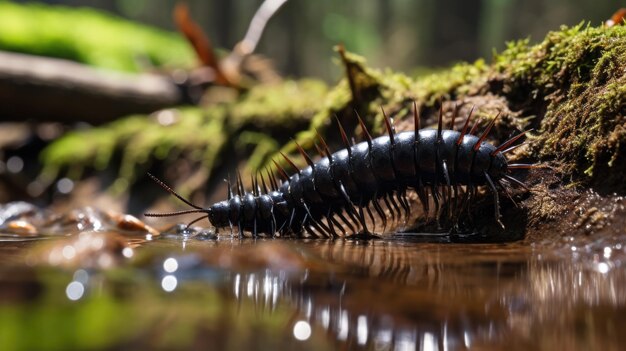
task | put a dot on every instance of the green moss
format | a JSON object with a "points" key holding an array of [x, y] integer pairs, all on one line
{"points": [[88, 36], [280, 105], [198, 134], [576, 75]]}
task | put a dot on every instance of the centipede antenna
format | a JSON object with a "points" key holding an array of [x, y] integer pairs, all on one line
{"points": [[496, 199], [517, 182], [416, 118], [176, 213], [521, 166], [171, 191], [366, 133], [464, 130], [344, 137], [305, 155], [509, 142], [389, 126], [440, 123], [194, 221], [486, 132], [293, 165], [230, 191], [281, 171], [455, 110], [263, 183]]}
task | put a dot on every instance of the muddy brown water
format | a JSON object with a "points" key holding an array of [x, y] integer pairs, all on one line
{"points": [[84, 286]]}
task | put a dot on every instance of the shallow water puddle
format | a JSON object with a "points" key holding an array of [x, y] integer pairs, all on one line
{"points": [[131, 289]]}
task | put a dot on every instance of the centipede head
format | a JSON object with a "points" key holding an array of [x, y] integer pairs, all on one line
{"points": [[499, 166]]}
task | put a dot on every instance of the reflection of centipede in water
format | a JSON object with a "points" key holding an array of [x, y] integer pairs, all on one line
{"points": [[334, 194]]}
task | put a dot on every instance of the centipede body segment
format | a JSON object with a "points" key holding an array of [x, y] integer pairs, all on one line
{"points": [[345, 192]]}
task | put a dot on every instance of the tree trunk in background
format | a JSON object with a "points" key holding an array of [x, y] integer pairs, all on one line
{"points": [[455, 31]]}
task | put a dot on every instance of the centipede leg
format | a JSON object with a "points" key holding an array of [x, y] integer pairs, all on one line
{"points": [[401, 195], [469, 195], [371, 216], [331, 223], [273, 225], [496, 198], [332, 228], [380, 212], [321, 227], [421, 193], [388, 205], [351, 210], [447, 187], [395, 205], [346, 222], [292, 217], [254, 231], [308, 229], [436, 197], [362, 219]]}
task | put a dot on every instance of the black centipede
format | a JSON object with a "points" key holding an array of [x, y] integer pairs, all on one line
{"points": [[331, 197]]}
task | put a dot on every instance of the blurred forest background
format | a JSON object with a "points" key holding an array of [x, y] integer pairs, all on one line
{"points": [[400, 34]]}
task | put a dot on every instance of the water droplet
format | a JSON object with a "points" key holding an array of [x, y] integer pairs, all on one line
{"points": [[75, 290], [128, 252], [170, 265], [65, 185], [302, 330], [69, 252], [603, 267], [15, 164], [169, 283]]}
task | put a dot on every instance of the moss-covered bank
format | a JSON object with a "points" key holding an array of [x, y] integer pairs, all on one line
{"points": [[569, 88]]}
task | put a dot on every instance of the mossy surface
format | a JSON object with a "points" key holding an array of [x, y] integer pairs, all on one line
{"points": [[257, 118], [90, 37]]}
